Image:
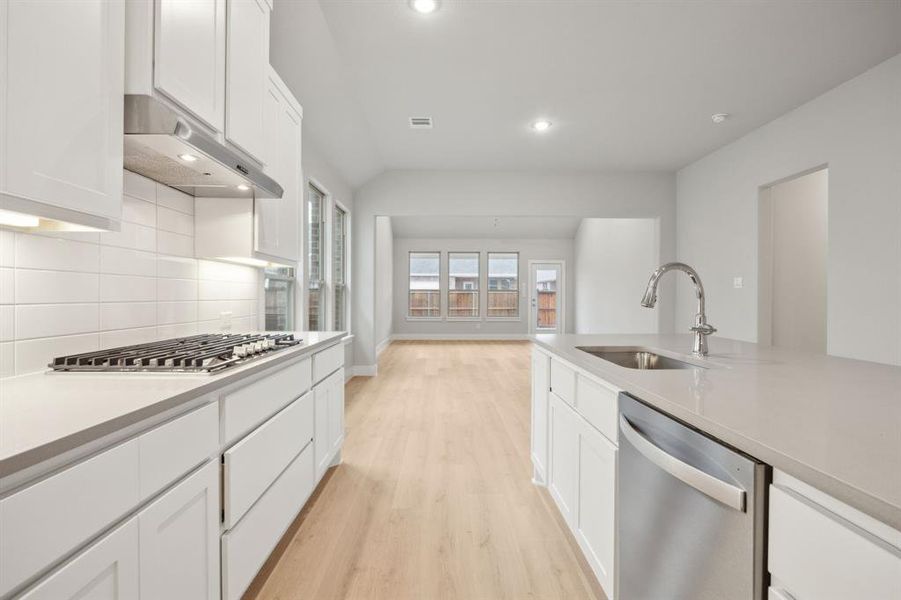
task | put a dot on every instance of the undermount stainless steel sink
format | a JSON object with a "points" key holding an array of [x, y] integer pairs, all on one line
{"points": [[636, 358]]}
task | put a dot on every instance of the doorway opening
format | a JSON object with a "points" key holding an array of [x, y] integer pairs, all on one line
{"points": [[793, 243]]}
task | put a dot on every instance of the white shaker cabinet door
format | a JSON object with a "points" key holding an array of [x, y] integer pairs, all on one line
{"points": [[61, 87], [541, 364], [179, 540], [321, 438], [106, 570], [595, 512], [247, 65], [189, 56], [336, 410], [563, 456]]}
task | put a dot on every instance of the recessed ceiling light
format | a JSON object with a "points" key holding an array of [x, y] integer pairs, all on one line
{"points": [[719, 117], [187, 157], [541, 125], [243, 187], [424, 6]]}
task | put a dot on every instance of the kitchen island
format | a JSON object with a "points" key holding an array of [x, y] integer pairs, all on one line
{"points": [[826, 431]]}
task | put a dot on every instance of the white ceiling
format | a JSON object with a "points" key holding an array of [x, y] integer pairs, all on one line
{"points": [[465, 227], [628, 85]]}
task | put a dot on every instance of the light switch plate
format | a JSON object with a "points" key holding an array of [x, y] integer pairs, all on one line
{"points": [[738, 282], [225, 320]]}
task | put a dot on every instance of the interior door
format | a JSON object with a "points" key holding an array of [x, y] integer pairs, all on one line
{"points": [[546, 297]]}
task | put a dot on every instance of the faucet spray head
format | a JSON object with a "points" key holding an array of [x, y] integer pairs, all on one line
{"points": [[650, 298]]}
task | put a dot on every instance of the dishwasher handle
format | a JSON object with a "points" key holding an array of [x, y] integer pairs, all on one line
{"points": [[719, 490]]}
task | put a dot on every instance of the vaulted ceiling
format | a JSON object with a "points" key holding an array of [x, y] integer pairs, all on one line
{"points": [[627, 85]]}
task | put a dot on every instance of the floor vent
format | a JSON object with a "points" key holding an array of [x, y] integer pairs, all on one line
{"points": [[420, 122]]}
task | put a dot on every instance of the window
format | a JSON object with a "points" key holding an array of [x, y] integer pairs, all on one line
{"points": [[425, 281], [503, 284], [462, 284], [339, 267], [278, 288], [315, 256]]}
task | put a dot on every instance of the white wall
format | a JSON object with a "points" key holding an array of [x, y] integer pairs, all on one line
{"points": [[384, 280], [478, 193], [529, 249], [75, 292], [613, 260], [855, 129]]}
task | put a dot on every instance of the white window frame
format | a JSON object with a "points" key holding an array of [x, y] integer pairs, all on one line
{"points": [[519, 287], [335, 203], [447, 290], [325, 240], [440, 315]]}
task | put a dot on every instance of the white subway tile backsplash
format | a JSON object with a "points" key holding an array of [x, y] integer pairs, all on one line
{"points": [[127, 315], [66, 293], [174, 243], [7, 285], [127, 288], [174, 221], [7, 248], [55, 287], [177, 267], [138, 211], [125, 261], [7, 359], [176, 312], [46, 320], [139, 186], [127, 337], [35, 355], [7, 323], [169, 290], [172, 198], [138, 237], [41, 252]]}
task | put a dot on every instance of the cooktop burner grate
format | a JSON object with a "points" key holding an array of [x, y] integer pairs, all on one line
{"points": [[204, 353]]}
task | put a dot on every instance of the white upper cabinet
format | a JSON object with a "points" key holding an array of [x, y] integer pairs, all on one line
{"points": [[247, 66], [277, 222], [61, 86], [189, 56]]}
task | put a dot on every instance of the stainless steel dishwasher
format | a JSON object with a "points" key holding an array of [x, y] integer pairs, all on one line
{"points": [[691, 512]]}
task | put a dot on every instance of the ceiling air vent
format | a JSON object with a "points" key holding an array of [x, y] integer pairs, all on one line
{"points": [[420, 122]]}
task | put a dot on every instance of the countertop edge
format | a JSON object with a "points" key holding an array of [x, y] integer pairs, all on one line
{"points": [[861, 500], [32, 457]]}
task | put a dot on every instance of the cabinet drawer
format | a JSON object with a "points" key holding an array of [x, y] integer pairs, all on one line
{"points": [[176, 447], [255, 462], [815, 553], [563, 381], [244, 409], [54, 516], [597, 403], [327, 362], [246, 547]]}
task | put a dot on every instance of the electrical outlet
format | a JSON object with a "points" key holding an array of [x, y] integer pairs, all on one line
{"points": [[738, 282], [225, 320]]}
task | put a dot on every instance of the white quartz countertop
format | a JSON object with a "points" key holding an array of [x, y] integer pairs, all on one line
{"points": [[832, 422], [43, 415]]}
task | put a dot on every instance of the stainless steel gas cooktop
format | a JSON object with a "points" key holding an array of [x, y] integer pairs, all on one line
{"points": [[205, 353]]}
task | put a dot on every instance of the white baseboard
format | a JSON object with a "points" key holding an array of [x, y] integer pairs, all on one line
{"points": [[365, 370], [382, 345], [461, 336]]}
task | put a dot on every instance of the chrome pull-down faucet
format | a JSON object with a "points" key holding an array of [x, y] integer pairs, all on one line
{"points": [[701, 327]]}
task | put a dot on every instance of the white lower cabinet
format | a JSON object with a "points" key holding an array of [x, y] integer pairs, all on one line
{"points": [[563, 465], [595, 506], [329, 415], [541, 364], [247, 546], [179, 540], [106, 570]]}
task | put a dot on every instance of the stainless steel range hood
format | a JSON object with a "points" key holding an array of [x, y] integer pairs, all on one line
{"points": [[158, 137]]}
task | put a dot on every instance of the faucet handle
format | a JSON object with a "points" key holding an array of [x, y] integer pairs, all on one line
{"points": [[704, 329]]}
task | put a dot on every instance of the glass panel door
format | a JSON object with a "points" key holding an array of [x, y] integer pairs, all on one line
{"points": [[546, 301]]}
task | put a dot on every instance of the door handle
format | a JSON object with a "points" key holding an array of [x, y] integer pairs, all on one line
{"points": [[719, 490]]}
